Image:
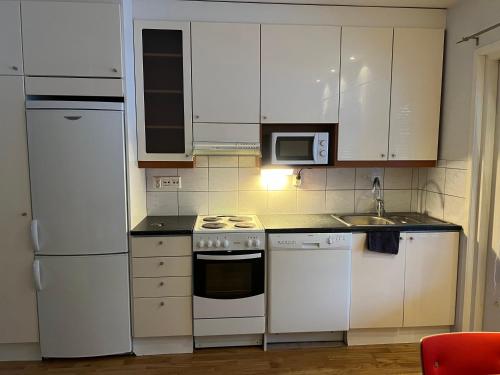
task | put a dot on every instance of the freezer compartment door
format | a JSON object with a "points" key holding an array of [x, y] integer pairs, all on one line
{"points": [[77, 171], [83, 305]]}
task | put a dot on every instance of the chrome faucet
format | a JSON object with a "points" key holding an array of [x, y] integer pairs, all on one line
{"points": [[377, 191]]}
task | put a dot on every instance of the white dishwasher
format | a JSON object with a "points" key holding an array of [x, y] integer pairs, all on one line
{"points": [[309, 282]]}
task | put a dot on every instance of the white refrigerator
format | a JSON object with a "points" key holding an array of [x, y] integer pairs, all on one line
{"points": [[79, 227]]}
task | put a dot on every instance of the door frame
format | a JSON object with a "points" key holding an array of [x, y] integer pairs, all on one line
{"points": [[483, 118]]}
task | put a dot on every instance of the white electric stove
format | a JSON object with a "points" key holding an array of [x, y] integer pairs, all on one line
{"points": [[229, 277]]}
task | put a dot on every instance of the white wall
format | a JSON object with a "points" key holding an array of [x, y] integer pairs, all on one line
{"points": [[465, 18]]}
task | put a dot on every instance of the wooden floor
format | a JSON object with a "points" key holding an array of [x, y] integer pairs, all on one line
{"points": [[365, 360]]}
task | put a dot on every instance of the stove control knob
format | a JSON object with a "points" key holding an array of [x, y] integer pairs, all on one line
{"points": [[256, 242], [209, 243], [201, 243], [249, 243], [217, 243], [322, 153], [225, 243]]}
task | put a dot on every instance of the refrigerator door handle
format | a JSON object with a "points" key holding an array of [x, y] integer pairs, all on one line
{"points": [[36, 275], [34, 235]]}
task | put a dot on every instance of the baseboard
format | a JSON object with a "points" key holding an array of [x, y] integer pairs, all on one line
{"points": [[29, 351], [228, 341], [391, 335], [273, 338], [162, 345]]}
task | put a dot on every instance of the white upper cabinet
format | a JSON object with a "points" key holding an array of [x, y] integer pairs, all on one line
{"points": [[300, 74], [71, 39], [365, 89], [226, 72], [416, 94], [431, 279], [11, 56], [377, 286], [163, 90]]}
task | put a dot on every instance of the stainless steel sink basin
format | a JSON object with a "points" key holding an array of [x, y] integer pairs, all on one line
{"points": [[364, 220]]}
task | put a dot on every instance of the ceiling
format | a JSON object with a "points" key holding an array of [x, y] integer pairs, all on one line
{"points": [[383, 3]]}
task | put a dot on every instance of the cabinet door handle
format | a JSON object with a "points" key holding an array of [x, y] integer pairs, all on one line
{"points": [[162, 283], [162, 303], [411, 238], [160, 242], [264, 117], [34, 235], [382, 155], [162, 263], [73, 118], [393, 155], [401, 238], [36, 275], [15, 68], [196, 116]]}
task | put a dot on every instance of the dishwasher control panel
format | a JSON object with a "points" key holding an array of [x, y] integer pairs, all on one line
{"points": [[312, 241]]}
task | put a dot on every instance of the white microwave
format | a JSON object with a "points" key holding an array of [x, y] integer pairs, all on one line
{"points": [[299, 148]]}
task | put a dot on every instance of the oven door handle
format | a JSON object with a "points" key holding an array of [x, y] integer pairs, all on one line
{"points": [[228, 257]]}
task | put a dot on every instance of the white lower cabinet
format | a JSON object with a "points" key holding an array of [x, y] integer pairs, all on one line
{"points": [[162, 287], [165, 316], [415, 288], [430, 279], [378, 282]]}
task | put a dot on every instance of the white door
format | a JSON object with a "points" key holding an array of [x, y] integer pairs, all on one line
{"points": [[18, 317], [308, 290], [377, 285], [431, 279], [77, 169], [416, 94], [11, 55], [71, 39], [226, 72], [365, 93], [300, 73], [83, 305]]}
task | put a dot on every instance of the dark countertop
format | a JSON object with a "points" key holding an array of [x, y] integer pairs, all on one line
{"points": [[325, 223], [164, 225], [298, 223]]}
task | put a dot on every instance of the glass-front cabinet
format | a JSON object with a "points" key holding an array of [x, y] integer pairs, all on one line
{"points": [[163, 91]]}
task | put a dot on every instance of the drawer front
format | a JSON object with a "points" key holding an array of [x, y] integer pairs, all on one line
{"points": [[162, 286], [169, 316], [161, 246], [161, 266]]}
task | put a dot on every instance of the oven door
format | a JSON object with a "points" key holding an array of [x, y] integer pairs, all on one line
{"points": [[228, 284], [294, 148]]}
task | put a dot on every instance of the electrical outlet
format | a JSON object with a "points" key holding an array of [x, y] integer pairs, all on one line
{"points": [[163, 183]]}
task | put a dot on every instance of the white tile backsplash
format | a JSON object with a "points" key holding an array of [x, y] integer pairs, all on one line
{"points": [[339, 201], [223, 202], [223, 161], [282, 202], [252, 202], [398, 178], [313, 179], [311, 202], [231, 184], [194, 179], [436, 179], [397, 200], [162, 203], [456, 180], [249, 179], [193, 203], [223, 179], [365, 176]]}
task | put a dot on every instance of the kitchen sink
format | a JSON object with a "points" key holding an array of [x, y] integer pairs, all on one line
{"points": [[364, 220]]}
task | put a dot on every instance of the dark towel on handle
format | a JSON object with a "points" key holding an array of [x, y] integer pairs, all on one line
{"points": [[383, 242]]}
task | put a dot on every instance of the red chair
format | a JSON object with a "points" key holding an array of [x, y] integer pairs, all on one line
{"points": [[462, 353]]}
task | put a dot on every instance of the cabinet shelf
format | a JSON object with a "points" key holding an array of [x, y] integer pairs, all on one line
{"points": [[179, 92], [164, 126], [154, 54]]}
